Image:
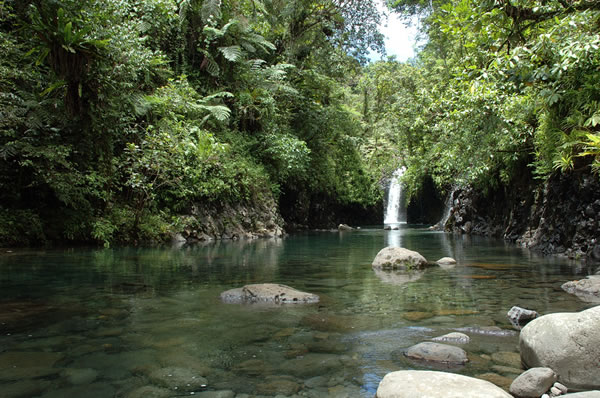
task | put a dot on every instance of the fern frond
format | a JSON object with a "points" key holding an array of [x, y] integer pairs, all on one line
{"points": [[220, 94], [211, 11], [248, 47], [219, 112], [260, 41], [232, 53]]}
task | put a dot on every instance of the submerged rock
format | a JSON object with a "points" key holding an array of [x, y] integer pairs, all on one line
{"points": [[533, 383], [454, 337], [587, 290], [398, 258], [436, 352], [149, 392], [28, 365], [568, 344], [180, 378], [487, 331], [268, 293], [431, 384]]}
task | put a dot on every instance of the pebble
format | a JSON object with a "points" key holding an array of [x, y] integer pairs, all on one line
{"points": [[545, 396], [561, 387], [555, 391]]}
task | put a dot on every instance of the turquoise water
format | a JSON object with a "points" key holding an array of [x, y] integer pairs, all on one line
{"points": [[102, 323]]}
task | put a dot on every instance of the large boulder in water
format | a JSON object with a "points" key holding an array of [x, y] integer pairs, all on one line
{"points": [[567, 343], [268, 293], [398, 258], [431, 384]]}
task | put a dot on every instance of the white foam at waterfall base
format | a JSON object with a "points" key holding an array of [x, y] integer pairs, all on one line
{"points": [[395, 212]]}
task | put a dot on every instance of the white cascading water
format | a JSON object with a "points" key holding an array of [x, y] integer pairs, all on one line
{"points": [[448, 208], [395, 212]]}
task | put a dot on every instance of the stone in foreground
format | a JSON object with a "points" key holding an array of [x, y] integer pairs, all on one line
{"points": [[568, 344], [587, 290], [533, 383], [430, 384], [398, 258], [268, 293], [436, 352]]}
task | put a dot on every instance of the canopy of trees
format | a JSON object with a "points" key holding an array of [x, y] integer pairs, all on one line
{"points": [[118, 116], [500, 88]]}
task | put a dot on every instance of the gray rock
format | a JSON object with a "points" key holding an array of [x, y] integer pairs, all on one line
{"points": [[566, 343], [563, 389], [436, 352], [311, 365], [446, 261], [344, 227], [274, 385], [268, 293], [587, 289], [533, 383], [520, 316], [430, 384], [454, 337], [586, 394], [487, 331], [181, 378], [398, 258]]}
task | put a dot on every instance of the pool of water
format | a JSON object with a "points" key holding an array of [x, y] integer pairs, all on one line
{"points": [[107, 322]]}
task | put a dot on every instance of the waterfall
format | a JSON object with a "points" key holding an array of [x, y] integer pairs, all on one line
{"points": [[448, 208], [395, 212]]}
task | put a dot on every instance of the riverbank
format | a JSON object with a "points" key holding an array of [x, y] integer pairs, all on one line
{"points": [[558, 216]]}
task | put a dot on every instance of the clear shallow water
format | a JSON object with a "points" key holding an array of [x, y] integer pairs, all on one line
{"points": [[99, 323]]}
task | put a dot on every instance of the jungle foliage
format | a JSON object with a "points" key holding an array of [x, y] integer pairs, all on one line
{"points": [[117, 116], [499, 87]]}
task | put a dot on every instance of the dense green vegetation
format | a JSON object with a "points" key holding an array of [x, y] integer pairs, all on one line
{"points": [[499, 86], [119, 116]]}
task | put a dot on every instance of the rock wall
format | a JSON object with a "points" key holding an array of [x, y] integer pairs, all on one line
{"points": [[558, 216], [232, 221], [303, 211], [427, 207]]}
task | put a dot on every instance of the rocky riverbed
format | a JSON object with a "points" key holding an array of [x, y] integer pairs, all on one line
{"points": [[151, 323]]}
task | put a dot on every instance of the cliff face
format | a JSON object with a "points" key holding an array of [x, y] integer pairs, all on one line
{"points": [[559, 216]]}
